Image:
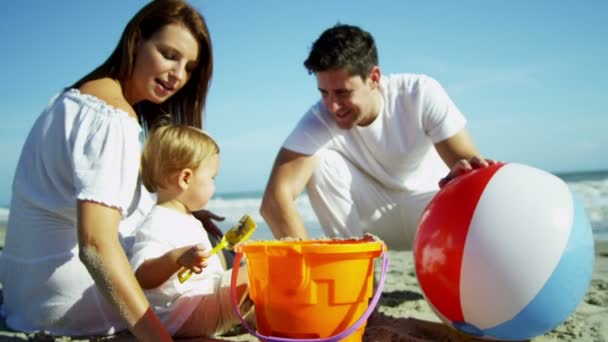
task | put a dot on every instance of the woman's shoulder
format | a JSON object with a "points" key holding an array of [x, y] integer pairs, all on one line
{"points": [[110, 92]]}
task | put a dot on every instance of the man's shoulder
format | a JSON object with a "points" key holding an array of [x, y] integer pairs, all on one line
{"points": [[407, 83], [405, 78], [316, 111]]}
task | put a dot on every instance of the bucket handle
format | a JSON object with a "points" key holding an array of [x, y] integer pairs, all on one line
{"points": [[372, 304]]}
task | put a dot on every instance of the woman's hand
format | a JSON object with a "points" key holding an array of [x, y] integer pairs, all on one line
{"points": [[150, 328], [464, 166], [206, 217]]}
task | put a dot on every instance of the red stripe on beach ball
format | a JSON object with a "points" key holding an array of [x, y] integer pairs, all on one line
{"points": [[440, 240]]}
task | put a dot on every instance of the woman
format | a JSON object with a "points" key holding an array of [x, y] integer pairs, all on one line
{"points": [[63, 268]]}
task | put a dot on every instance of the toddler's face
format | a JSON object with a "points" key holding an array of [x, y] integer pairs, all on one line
{"points": [[203, 183]]}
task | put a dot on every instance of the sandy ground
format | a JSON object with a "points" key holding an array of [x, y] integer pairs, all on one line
{"points": [[404, 315]]}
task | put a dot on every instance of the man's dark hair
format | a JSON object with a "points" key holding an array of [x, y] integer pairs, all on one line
{"points": [[343, 46]]}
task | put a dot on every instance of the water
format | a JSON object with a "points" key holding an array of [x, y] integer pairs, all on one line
{"points": [[3, 215], [590, 187], [234, 205]]}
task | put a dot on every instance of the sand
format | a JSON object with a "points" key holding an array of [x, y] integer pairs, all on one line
{"points": [[404, 315]]}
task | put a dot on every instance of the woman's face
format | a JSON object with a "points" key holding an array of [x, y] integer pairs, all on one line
{"points": [[163, 64]]}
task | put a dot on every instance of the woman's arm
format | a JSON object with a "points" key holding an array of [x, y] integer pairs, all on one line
{"points": [[106, 261]]}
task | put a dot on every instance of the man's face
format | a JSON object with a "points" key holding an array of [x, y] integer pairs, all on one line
{"points": [[351, 100]]}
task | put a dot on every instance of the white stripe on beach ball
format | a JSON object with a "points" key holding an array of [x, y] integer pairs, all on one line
{"points": [[510, 252]]}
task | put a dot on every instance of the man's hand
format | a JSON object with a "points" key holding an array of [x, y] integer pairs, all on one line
{"points": [[464, 166]]}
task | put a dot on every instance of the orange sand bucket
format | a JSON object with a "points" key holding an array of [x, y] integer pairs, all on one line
{"points": [[313, 290]]}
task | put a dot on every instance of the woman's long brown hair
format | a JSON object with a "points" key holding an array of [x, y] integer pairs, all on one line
{"points": [[188, 104]]}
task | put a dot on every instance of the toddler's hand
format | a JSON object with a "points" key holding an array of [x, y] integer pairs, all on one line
{"points": [[194, 258]]}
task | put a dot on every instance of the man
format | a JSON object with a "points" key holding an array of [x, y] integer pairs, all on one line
{"points": [[371, 152]]}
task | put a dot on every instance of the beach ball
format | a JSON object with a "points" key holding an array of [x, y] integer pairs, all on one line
{"points": [[504, 252]]}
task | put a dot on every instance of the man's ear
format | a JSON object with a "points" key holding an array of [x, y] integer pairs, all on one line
{"points": [[374, 76], [184, 178]]}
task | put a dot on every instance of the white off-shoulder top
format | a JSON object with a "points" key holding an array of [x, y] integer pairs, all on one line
{"points": [[80, 148]]}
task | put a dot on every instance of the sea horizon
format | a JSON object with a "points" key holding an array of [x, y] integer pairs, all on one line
{"points": [[567, 176], [591, 186]]}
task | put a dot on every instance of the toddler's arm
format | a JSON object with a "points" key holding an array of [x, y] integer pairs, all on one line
{"points": [[155, 271]]}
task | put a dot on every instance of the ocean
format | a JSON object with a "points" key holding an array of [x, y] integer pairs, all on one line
{"points": [[590, 187]]}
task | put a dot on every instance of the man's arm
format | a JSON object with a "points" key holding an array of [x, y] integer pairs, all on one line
{"points": [[290, 173], [460, 155]]}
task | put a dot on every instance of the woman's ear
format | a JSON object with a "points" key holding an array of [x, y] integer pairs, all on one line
{"points": [[137, 41]]}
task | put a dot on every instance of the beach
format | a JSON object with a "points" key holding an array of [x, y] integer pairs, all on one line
{"points": [[403, 314], [406, 316]]}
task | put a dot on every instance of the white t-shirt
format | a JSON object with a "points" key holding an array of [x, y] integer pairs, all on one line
{"points": [[162, 231], [397, 148], [79, 148]]}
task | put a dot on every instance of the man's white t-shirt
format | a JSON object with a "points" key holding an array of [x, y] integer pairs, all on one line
{"points": [[397, 148]]}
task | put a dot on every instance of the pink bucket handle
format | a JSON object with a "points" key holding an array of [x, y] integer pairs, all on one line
{"points": [[372, 304]]}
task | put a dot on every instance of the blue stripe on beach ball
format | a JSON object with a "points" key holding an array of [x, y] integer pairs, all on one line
{"points": [[468, 328], [564, 289]]}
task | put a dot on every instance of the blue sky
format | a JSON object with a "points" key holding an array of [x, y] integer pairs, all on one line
{"points": [[530, 76]]}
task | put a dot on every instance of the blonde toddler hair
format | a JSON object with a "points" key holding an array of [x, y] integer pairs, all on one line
{"points": [[172, 148]]}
